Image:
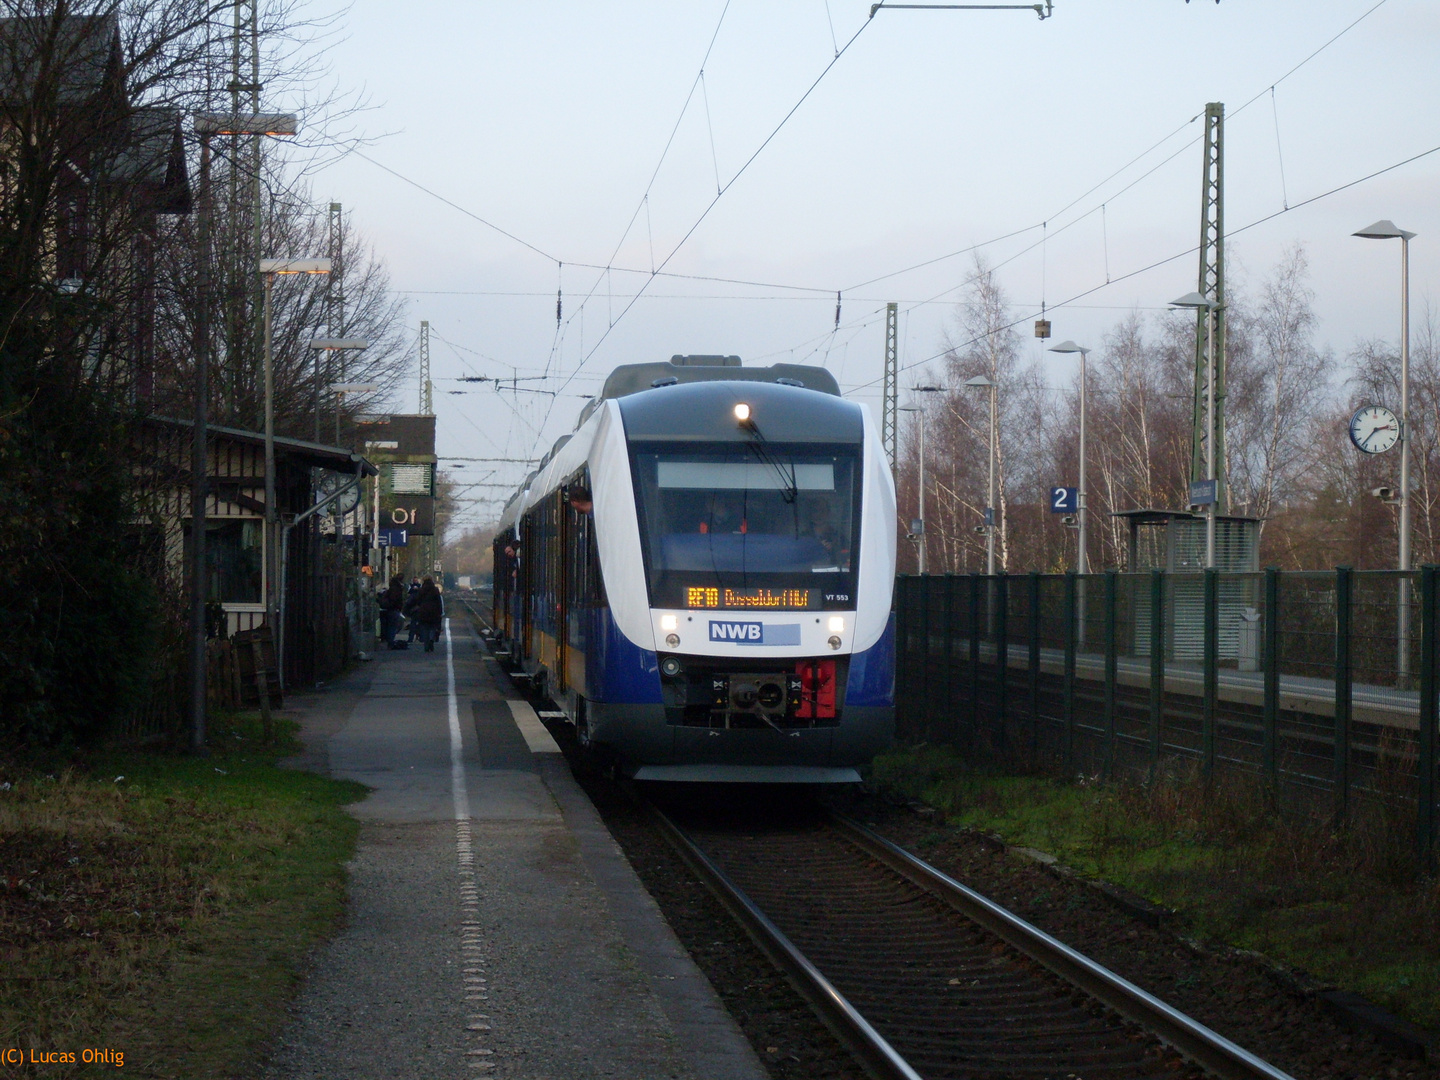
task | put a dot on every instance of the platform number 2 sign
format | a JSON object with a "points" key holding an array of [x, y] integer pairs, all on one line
{"points": [[1064, 500]]}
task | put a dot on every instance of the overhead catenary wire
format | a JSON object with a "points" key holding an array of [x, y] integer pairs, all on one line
{"points": [[1178, 255], [713, 202], [659, 270], [351, 146]]}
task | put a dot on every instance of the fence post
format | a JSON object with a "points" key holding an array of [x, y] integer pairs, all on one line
{"points": [[1002, 654], [1425, 801], [1157, 666], [928, 681], [1270, 722], [1111, 582], [1033, 666], [902, 650], [1068, 709], [974, 654], [1342, 694], [1211, 671], [952, 714]]}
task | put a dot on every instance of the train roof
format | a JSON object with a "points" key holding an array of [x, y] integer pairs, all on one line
{"points": [[705, 412], [630, 379]]}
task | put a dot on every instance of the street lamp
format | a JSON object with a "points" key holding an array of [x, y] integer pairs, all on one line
{"points": [[207, 126], [1198, 302], [1387, 230], [1082, 561], [331, 345], [921, 553], [980, 382], [269, 268]]}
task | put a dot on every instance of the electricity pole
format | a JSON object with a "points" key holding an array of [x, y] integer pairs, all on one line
{"points": [[1207, 440]]}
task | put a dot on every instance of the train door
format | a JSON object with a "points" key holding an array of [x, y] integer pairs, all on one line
{"points": [[564, 524], [529, 554]]}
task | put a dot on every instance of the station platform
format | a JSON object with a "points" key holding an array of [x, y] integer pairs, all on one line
{"points": [[494, 928]]}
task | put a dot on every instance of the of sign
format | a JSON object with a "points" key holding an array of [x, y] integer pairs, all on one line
{"points": [[413, 513], [392, 538], [1202, 493], [1064, 500]]}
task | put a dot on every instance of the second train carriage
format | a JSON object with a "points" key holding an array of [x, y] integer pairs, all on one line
{"points": [[701, 574]]}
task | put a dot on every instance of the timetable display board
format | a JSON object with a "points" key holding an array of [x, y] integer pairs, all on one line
{"points": [[719, 598]]}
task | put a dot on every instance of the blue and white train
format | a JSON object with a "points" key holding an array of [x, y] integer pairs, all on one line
{"points": [[701, 575]]}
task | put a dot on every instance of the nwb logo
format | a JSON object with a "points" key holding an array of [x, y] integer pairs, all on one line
{"points": [[737, 631]]}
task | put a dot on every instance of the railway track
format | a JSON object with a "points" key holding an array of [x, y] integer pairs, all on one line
{"points": [[924, 978]]}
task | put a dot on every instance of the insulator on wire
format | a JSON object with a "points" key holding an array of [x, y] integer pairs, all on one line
{"points": [[837, 309]]}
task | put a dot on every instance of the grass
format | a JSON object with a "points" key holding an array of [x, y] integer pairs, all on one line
{"points": [[1345, 906], [163, 907]]}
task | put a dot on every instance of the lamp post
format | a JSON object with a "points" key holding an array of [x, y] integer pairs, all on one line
{"points": [[1387, 230], [207, 126], [1197, 301], [923, 539], [981, 382], [269, 268], [331, 345], [340, 390], [1082, 558]]}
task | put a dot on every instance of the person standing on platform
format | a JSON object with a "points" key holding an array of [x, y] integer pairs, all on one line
{"points": [[408, 610], [429, 612], [392, 602]]}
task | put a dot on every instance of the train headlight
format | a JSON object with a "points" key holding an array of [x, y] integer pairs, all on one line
{"points": [[837, 624], [742, 412], [673, 640], [670, 622], [834, 642]]}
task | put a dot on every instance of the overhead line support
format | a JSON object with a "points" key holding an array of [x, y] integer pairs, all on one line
{"points": [[1205, 429]]}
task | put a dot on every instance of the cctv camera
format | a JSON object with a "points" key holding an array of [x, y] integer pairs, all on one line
{"points": [[1383, 492]]}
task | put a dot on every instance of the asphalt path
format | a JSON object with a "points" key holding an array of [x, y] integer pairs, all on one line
{"points": [[493, 927]]}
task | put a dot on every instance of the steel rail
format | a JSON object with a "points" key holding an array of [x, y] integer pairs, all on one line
{"points": [[877, 1056], [1208, 1049]]}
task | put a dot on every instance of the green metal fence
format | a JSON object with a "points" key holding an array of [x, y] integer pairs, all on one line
{"points": [[1321, 684]]}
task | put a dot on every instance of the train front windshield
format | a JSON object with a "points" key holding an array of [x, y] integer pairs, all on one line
{"points": [[749, 525]]}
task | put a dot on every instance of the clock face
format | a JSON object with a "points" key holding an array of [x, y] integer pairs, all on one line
{"points": [[1374, 429], [328, 482]]}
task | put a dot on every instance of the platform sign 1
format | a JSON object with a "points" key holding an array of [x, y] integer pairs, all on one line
{"points": [[392, 538], [1202, 493], [1064, 500]]}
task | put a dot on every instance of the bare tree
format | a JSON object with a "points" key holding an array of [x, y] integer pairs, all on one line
{"points": [[300, 312], [1276, 388]]}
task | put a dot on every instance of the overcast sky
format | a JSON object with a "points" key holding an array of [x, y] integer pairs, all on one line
{"points": [[932, 132]]}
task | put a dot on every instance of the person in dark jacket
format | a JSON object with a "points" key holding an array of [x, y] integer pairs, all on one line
{"points": [[392, 603], [428, 612], [408, 610]]}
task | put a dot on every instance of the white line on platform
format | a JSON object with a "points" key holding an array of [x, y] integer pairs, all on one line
{"points": [[536, 737], [457, 746], [473, 984]]}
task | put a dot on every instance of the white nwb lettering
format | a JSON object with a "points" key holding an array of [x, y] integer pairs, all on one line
{"points": [[736, 631]]}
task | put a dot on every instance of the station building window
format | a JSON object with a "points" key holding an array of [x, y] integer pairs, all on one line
{"points": [[234, 560]]}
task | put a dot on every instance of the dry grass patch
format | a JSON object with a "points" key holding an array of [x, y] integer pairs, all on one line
{"points": [[163, 907]]}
